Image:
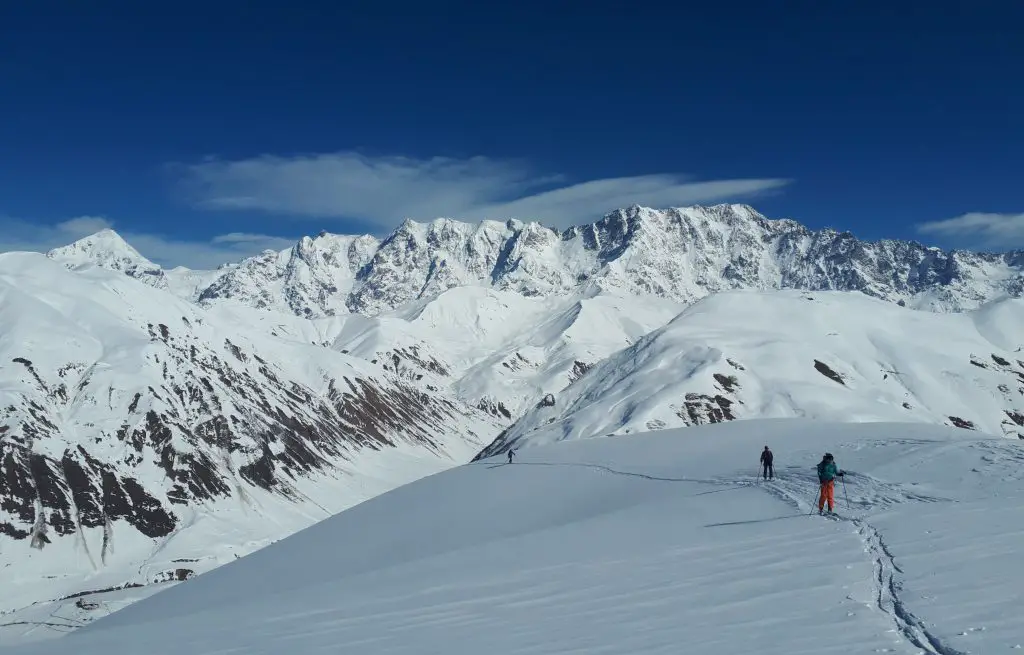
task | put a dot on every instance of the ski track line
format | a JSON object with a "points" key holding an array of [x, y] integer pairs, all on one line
{"points": [[607, 469], [886, 586]]}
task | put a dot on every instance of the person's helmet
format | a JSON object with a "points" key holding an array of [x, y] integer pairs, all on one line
{"points": [[828, 456]]}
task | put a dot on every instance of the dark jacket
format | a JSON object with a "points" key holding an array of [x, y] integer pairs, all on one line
{"points": [[766, 457]]}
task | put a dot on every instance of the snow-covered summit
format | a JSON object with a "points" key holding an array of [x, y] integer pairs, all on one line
{"points": [[107, 249], [310, 279]]}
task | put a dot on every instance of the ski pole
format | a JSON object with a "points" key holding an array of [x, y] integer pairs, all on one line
{"points": [[846, 495], [817, 496]]}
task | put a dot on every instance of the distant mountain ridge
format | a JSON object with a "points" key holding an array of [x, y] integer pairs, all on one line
{"points": [[682, 254]]}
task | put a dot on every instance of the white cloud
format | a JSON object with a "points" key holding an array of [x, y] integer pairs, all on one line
{"points": [[83, 226], [23, 235], [587, 201], [985, 230], [244, 238], [386, 190]]}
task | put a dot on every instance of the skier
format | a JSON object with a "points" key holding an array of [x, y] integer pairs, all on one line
{"points": [[510, 453], [766, 462], [827, 473]]}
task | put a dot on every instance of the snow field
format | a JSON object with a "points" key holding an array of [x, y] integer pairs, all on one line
{"points": [[651, 543]]}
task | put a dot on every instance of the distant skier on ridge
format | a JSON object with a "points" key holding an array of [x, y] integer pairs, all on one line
{"points": [[510, 453], [766, 462], [827, 474]]}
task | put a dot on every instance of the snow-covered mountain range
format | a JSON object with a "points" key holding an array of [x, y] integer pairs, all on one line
{"points": [[683, 254], [156, 423]]}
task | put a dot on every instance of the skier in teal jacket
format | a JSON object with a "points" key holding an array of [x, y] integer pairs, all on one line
{"points": [[827, 474]]}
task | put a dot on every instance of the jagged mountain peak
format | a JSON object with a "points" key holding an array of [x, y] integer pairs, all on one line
{"points": [[446, 227], [310, 279], [325, 245]]}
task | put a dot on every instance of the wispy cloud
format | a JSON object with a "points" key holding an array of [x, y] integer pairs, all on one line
{"points": [[82, 226], [980, 230], [386, 190], [31, 236]]}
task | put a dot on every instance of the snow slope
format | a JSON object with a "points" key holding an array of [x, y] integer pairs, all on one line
{"points": [[506, 351], [829, 355], [655, 543], [144, 439]]}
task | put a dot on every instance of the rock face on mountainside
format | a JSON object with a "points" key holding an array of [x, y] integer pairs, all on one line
{"points": [[124, 406], [682, 254]]}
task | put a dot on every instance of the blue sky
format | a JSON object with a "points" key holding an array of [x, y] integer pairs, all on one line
{"points": [[204, 132]]}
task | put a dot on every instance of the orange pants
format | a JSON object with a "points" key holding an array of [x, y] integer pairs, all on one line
{"points": [[828, 490]]}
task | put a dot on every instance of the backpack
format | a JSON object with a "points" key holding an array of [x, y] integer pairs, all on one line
{"points": [[826, 471]]}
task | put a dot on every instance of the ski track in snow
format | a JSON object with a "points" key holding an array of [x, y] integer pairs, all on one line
{"points": [[886, 585]]}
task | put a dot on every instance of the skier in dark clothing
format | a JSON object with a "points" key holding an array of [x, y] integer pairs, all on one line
{"points": [[827, 474], [766, 462], [510, 453]]}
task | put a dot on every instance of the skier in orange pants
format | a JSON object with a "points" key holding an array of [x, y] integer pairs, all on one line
{"points": [[827, 474]]}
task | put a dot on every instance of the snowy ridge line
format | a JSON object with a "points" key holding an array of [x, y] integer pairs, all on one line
{"points": [[886, 587], [684, 253]]}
